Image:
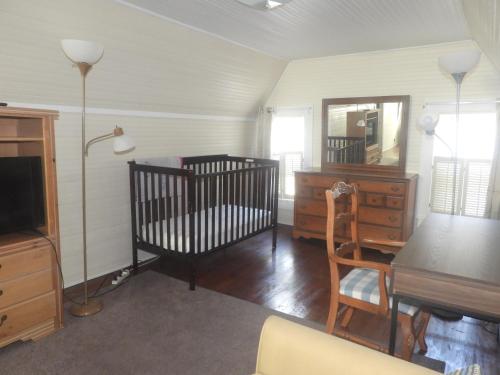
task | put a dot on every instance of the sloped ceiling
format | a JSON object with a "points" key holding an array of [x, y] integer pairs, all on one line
{"points": [[313, 28], [148, 65], [483, 17]]}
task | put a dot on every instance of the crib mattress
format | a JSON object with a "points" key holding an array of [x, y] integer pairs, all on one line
{"points": [[247, 218]]}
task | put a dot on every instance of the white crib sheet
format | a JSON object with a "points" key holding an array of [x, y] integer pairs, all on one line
{"points": [[246, 216]]}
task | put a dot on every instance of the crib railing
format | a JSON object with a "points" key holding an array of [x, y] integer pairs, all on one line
{"points": [[346, 150]]}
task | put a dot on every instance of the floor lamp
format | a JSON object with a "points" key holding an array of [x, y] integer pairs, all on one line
{"points": [[458, 64], [84, 55]]}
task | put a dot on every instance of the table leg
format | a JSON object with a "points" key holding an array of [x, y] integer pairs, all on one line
{"points": [[394, 324]]}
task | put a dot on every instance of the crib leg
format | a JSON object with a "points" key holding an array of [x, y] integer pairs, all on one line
{"points": [[275, 237], [192, 275], [135, 262]]}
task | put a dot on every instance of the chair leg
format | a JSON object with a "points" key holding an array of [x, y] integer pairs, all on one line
{"points": [[426, 316], [346, 318], [408, 337], [332, 314]]}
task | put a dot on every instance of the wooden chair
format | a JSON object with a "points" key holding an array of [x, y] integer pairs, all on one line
{"points": [[365, 286]]}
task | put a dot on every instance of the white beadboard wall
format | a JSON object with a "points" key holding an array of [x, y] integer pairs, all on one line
{"points": [[205, 92], [409, 71]]}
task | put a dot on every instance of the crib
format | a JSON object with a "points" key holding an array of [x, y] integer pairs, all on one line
{"points": [[206, 204], [346, 150]]}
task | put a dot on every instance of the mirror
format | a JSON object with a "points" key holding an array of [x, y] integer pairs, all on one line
{"points": [[368, 132]]}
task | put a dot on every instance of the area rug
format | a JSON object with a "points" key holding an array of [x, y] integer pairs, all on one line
{"points": [[151, 325]]}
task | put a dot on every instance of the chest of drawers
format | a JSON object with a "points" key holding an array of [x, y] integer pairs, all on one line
{"points": [[386, 212], [29, 307]]}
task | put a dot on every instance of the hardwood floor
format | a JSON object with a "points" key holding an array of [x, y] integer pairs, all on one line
{"points": [[295, 280]]}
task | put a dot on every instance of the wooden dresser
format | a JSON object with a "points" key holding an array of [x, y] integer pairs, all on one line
{"points": [[30, 283], [386, 212]]}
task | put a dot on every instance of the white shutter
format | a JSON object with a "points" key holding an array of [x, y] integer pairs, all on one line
{"points": [[289, 163], [476, 181], [442, 185], [473, 177]]}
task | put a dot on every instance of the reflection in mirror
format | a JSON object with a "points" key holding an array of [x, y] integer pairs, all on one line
{"points": [[367, 133]]}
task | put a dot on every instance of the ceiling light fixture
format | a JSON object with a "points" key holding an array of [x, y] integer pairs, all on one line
{"points": [[264, 4]]}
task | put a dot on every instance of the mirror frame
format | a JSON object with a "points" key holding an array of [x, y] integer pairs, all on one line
{"points": [[372, 168]]}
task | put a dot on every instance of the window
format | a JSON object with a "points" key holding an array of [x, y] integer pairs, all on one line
{"points": [[476, 146], [291, 145]]}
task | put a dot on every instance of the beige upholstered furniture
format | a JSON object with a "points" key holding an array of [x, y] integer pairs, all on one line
{"points": [[288, 348]]}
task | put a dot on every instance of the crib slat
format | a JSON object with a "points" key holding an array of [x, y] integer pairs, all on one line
{"points": [[220, 202], [168, 206], [183, 213], [231, 197], [213, 197], [250, 202], [160, 208], [198, 212], [206, 205], [153, 206], [238, 203], [146, 202], [140, 205], [191, 200], [254, 200], [226, 207], [243, 201], [176, 215]]}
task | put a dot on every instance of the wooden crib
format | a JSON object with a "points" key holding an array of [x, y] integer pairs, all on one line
{"points": [[209, 203]]}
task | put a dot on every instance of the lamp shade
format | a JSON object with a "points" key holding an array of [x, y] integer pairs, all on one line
{"points": [[123, 143], [428, 122], [461, 61], [82, 51]]}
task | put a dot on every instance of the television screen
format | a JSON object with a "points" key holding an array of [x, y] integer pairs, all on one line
{"points": [[21, 193]]}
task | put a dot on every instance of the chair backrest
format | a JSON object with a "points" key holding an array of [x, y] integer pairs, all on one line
{"points": [[344, 193]]}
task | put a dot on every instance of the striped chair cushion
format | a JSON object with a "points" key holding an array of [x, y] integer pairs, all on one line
{"points": [[362, 284], [471, 370]]}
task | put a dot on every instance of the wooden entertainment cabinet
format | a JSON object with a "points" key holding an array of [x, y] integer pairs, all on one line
{"points": [[30, 282]]}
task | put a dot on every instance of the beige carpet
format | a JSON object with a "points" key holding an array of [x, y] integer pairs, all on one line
{"points": [[151, 325]]}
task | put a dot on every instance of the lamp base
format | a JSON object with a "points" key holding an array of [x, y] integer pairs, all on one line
{"points": [[93, 306]]}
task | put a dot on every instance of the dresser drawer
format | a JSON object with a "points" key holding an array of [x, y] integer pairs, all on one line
{"points": [[311, 223], [394, 202], [26, 287], [391, 188], [375, 200], [25, 262], [315, 207], [316, 180], [24, 315], [374, 232], [381, 216], [302, 191]]}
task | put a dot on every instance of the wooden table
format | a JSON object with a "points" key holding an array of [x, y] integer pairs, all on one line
{"points": [[452, 263]]}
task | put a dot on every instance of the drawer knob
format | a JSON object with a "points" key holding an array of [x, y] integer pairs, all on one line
{"points": [[392, 219], [1, 292], [391, 236], [395, 189], [3, 318]]}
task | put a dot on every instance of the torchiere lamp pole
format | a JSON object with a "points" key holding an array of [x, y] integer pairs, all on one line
{"points": [[84, 55]]}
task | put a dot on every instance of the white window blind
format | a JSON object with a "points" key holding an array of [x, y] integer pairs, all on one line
{"points": [[471, 194]]}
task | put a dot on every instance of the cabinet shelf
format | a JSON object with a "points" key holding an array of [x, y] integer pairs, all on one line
{"points": [[21, 139]]}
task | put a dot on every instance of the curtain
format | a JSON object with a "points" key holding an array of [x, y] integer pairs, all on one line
{"points": [[493, 200], [262, 141]]}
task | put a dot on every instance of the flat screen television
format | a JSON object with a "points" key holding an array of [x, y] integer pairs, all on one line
{"points": [[21, 194]]}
